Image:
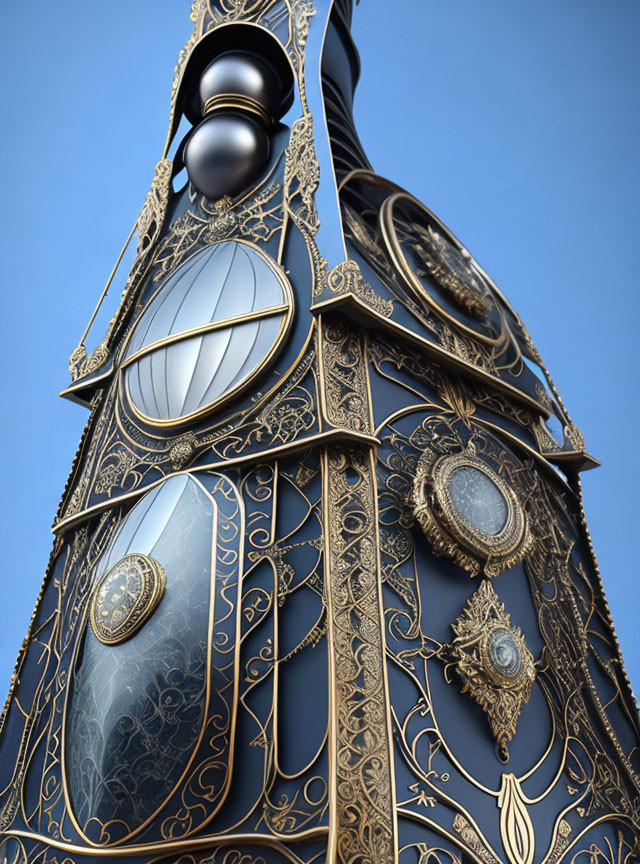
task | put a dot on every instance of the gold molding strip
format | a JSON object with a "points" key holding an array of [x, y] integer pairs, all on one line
{"points": [[221, 324], [362, 792]]}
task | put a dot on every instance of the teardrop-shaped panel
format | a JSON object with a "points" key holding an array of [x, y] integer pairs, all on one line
{"points": [[138, 709], [215, 322]]}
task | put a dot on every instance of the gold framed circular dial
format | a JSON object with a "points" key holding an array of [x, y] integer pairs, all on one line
{"points": [[469, 512], [125, 598]]}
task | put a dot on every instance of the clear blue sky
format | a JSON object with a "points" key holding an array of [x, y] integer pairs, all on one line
{"points": [[517, 122]]}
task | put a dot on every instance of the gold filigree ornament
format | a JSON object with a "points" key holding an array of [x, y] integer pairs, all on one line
{"points": [[125, 598], [452, 269], [469, 512], [492, 661]]}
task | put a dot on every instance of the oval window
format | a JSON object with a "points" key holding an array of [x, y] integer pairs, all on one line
{"points": [[141, 694], [214, 324]]}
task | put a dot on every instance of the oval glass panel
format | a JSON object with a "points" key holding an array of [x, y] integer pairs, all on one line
{"points": [[478, 500], [137, 708], [213, 325], [503, 653]]}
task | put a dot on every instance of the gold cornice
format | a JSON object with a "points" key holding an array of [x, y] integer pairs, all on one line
{"points": [[329, 436]]}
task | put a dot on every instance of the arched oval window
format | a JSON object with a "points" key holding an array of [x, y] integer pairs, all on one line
{"points": [[139, 703], [210, 329]]}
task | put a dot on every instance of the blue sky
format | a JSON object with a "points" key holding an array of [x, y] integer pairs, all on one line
{"points": [[517, 123]]}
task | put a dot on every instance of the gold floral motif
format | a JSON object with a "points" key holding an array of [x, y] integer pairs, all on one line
{"points": [[364, 807], [492, 661], [255, 219], [448, 267], [346, 278], [302, 176], [437, 512], [153, 212], [344, 374], [197, 15]]}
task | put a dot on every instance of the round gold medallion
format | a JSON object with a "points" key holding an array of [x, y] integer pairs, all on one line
{"points": [[126, 597], [469, 512]]}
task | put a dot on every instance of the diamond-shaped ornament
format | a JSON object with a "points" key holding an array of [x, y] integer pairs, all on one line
{"points": [[492, 661]]}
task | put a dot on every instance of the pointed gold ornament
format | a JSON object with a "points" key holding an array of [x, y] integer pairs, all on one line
{"points": [[492, 661]]}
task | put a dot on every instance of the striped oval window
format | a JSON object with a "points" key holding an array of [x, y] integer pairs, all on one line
{"points": [[209, 330]]}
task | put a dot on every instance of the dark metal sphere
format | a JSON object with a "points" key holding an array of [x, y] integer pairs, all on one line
{"points": [[243, 74], [225, 153]]}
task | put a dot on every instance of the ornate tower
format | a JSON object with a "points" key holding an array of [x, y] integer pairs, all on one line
{"points": [[321, 587]]}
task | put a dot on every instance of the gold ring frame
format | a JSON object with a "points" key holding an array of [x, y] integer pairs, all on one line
{"points": [[453, 535], [237, 102], [466, 297], [129, 617], [500, 679]]}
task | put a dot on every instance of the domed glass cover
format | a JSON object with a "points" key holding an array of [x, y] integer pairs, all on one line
{"points": [[503, 653], [478, 500], [136, 708]]}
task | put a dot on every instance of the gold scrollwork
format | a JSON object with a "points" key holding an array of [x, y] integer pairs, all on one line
{"points": [[470, 836], [344, 376], [363, 798], [561, 842], [301, 180], [255, 219]]}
